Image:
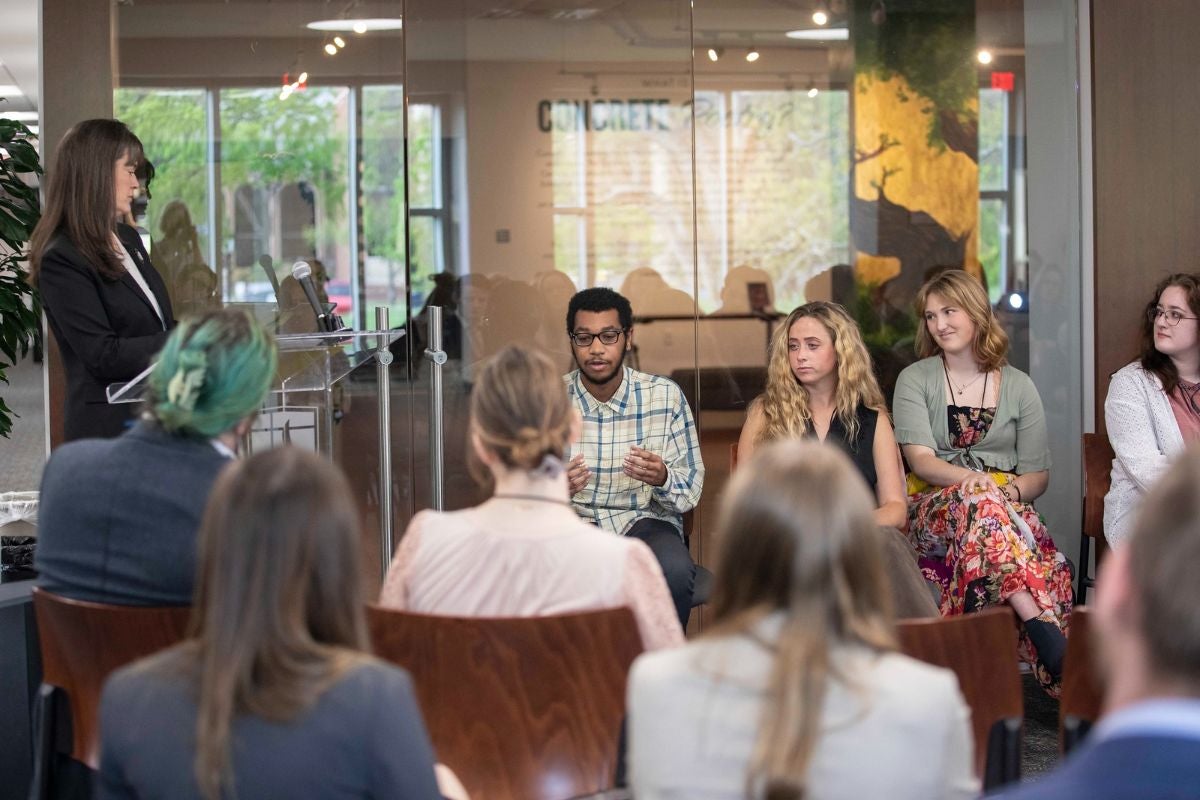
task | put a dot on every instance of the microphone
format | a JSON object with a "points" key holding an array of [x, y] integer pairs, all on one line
{"points": [[302, 272]]}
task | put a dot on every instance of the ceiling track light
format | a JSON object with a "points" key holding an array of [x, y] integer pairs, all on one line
{"points": [[752, 55], [715, 53]]}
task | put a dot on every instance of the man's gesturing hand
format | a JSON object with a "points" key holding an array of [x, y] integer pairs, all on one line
{"points": [[645, 466], [578, 475]]}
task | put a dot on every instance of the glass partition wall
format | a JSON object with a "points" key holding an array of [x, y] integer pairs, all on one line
{"points": [[719, 162], [276, 131]]}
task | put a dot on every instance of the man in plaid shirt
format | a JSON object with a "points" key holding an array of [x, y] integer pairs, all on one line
{"points": [[637, 466]]}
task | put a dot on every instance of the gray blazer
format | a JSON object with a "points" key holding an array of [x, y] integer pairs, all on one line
{"points": [[117, 518], [362, 738]]}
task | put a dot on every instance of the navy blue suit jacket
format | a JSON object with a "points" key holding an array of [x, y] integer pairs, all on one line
{"points": [[117, 518], [106, 330], [1136, 767]]}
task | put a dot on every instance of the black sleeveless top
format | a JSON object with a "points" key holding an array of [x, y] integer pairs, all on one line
{"points": [[861, 448]]}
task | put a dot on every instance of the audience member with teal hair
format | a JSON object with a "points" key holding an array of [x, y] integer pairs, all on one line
{"points": [[118, 517], [211, 376]]}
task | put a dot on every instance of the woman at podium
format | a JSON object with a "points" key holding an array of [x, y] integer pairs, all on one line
{"points": [[106, 303]]}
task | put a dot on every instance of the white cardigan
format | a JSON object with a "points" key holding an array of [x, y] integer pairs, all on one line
{"points": [[1144, 436]]}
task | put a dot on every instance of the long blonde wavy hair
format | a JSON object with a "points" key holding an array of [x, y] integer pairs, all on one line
{"points": [[796, 535], [960, 289], [784, 404]]}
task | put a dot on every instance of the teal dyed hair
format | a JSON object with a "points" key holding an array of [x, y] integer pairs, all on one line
{"points": [[214, 371]]}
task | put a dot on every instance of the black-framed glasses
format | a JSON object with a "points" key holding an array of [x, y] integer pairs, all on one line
{"points": [[608, 336], [1172, 316]]}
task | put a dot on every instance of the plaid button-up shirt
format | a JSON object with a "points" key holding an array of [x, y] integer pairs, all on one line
{"points": [[648, 411]]}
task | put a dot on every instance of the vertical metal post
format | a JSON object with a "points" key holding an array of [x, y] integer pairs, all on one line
{"points": [[383, 358], [436, 358]]}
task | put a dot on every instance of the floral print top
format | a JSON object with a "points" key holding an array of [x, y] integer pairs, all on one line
{"points": [[968, 425]]}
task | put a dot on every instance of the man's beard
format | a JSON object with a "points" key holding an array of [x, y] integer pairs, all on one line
{"points": [[583, 373]]}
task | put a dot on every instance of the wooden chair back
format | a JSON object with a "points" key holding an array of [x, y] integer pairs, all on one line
{"points": [[1097, 478], [82, 643], [1082, 697], [519, 708], [981, 649]]}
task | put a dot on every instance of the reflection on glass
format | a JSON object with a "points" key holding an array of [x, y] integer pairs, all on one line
{"points": [[172, 125], [383, 198], [788, 186], [284, 172]]}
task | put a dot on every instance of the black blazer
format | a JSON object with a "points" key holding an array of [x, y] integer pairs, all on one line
{"points": [[106, 329]]}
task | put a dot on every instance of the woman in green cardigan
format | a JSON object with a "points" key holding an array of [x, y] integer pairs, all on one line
{"points": [[973, 431]]}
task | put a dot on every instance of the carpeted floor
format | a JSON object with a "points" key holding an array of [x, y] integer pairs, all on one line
{"points": [[24, 452], [1039, 746]]}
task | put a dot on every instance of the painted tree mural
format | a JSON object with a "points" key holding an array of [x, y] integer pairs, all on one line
{"points": [[914, 204]]}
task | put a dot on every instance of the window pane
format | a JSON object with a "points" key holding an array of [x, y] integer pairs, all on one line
{"points": [[284, 174], [789, 182], [425, 255], [993, 238], [423, 146], [993, 140], [570, 246], [383, 197], [641, 191], [172, 124]]}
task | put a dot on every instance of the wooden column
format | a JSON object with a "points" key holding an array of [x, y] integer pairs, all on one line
{"points": [[1146, 101], [77, 56]]}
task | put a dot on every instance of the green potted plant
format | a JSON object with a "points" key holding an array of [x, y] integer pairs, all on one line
{"points": [[20, 309]]}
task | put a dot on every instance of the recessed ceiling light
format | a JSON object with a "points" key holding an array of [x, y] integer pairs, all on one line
{"points": [[984, 56], [752, 56], [820, 17], [820, 34], [10, 90], [357, 25]]}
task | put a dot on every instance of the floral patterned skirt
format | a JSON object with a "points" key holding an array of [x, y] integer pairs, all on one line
{"points": [[988, 558]]}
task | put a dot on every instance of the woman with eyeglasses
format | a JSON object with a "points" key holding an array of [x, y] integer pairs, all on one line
{"points": [[974, 433], [1153, 406]]}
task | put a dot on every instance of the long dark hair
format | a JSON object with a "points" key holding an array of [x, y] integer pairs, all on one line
{"points": [[1152, 360], [278, 615], [80, 194]]}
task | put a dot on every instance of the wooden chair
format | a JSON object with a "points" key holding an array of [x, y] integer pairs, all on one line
{"points": [[1081, 701], [520, 709], [981, 649], [81, 644], [1097, 477]]}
